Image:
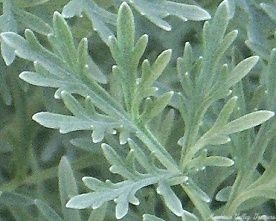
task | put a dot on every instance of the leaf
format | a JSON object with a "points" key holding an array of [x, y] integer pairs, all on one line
{"points": [[218, 139], [32, 21], [7, 23], [170, 198], [86, 144], [118, 164], [225, 113], [125, 28], [64, 42], [140, 156], [197, 191], [122, 49], [122, 193], [218, 161], [155, 11], [187, 216], [247, 121], [224, 194], [99, 17], [157, 106], [7, 53], [15, 199], [73, 8], [148, 217], [270, 81], [67, 189], [47, 212], [270, 9], [29, 3], [62, 122], [240, 71], [150, 74], [99, 214], [140, 48], [5, 91]]}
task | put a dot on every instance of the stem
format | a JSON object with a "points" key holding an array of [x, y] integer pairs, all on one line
{"points": [[157, 149], [231, 206]]}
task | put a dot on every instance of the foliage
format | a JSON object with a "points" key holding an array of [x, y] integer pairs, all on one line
{"points": [[187, 136]]}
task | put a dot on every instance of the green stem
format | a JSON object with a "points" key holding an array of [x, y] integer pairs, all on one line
{"points": [[231, 206], [157, 149]]}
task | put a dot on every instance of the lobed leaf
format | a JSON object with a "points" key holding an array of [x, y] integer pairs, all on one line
{"points": [[155, 11], [122, 193], [99, 17]]}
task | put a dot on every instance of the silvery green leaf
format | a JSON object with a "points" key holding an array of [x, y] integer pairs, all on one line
{"points": [[32, 21], [67, 189], [7, 53], [125, 28], [86, 144], [226, 111], [247, 121], [218, 139], [151, 73], [270, 9], [218, 161], [99, 214], [200, 194], [15, 199], [224, 194], [187, 216], [118, 165], [270, 81], [140, 156], [122, 193], [157, 106], [170, 198], [140, 47], [148, 217], [48, 213], [65, 46], [241, 70], [5, 90], [99, 17], [156, 11], [29, 3], [66, 124], [73, 8]]}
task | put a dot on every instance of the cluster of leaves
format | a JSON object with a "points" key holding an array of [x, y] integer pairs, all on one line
{"points": [[181, 146]]}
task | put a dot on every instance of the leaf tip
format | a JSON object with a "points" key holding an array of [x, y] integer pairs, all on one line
{"points": [[57, 14], [36, 117]]}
